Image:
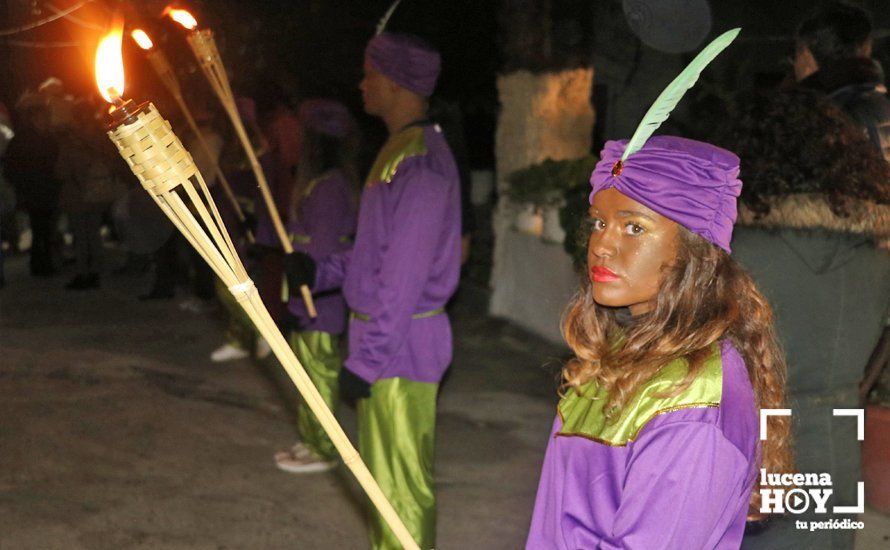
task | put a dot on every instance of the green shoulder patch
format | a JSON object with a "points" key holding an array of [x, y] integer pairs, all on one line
{"points": [[582, 412], [410, 142]]}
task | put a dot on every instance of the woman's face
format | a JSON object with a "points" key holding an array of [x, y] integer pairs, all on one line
{"points": [[628, 248]]}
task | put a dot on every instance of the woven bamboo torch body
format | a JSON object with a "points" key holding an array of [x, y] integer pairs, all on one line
{"points": [[204, 47], [166, 170]]}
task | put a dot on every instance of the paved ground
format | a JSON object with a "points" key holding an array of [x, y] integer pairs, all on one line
{"points": [[117, 432]]}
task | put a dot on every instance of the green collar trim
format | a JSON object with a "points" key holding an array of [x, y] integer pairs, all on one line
{"points": [[410, 142], [582, 412], [313, 183]]}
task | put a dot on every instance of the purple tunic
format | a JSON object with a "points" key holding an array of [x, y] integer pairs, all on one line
{"points": [[325, 225], [405, 261], [683, 480]]}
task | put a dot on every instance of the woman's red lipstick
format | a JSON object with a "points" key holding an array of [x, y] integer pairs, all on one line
{"points": [[600, 274]]}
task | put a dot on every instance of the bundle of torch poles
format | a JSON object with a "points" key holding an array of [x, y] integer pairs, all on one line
{"points": [[167, 172]]}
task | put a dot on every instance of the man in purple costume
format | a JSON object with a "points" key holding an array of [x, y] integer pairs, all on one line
{"points": [[397, 278], [674, 465]]}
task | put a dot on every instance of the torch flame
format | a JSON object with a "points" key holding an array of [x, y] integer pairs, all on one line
{"points": [[182, 17], [142, 39], [110, 65]]}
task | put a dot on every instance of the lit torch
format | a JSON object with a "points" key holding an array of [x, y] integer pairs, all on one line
{"points": [[204, 47], [162, 67], [167, 172]]}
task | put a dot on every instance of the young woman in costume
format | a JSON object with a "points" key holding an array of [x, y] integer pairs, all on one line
{"points": [[322, 221], [655, 444]]}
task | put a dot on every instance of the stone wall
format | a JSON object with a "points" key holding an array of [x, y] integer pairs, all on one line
{"points": [[543, 115]]}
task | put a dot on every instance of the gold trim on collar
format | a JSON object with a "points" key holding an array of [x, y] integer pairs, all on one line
{"points": [[582, 415], [410, 142]]}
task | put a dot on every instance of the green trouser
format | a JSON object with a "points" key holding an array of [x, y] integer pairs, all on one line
{"points": [[397, 427], [240, 331], [319, 354]]}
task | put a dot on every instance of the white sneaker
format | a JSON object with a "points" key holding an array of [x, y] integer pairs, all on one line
{"points": [[187, 304], [263, 349], [300, 460], [196, 305], [228, 352]]}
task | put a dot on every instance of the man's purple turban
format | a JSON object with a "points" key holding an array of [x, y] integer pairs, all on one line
{"points": [[406, 60], [327, 117], [692, 183]]}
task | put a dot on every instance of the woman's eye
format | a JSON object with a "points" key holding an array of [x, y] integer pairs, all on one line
{"points": [[634, 229], [597, 224]]}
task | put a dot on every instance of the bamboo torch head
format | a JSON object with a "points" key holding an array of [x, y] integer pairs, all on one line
{"points": [[203, 45], [200, 40], [158, 61], [182, 17], [165, 168], [142, 39]]}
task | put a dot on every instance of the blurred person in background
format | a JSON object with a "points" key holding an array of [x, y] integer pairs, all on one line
{"points": [[321, 222], [88, 187], [241, 336], [29, 165], [833, 56], [7, 193], [814, 206], [283, 135]]}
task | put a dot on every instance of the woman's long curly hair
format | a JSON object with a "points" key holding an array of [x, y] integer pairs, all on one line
{"points": [[321, 153], [704, 297], [797, 141]]}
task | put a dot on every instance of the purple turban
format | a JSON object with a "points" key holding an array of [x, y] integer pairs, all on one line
{"points": [[692, 183], [327, 117], [406, 60]]}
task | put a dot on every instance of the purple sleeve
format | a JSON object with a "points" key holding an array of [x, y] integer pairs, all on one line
{"points": [[418, 218], [331, 271], [684, 484]]}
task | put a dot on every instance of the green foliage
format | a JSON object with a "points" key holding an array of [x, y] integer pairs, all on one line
{"points": [[573, 219], [544, 184], [554, 183]]}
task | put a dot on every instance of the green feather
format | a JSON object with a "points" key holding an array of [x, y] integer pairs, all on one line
{"points": [[671, 96], [381, 26]]}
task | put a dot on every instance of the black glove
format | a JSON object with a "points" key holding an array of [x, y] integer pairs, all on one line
{"points": [[300, 270], [352, 387]]}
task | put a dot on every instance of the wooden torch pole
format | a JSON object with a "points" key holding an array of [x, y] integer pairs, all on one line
{"points": [[204, 47], [162, 67]]}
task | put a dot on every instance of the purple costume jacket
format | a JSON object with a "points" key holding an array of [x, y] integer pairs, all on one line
{"points": [[405, 263], [325, 225], [671, 472]]}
